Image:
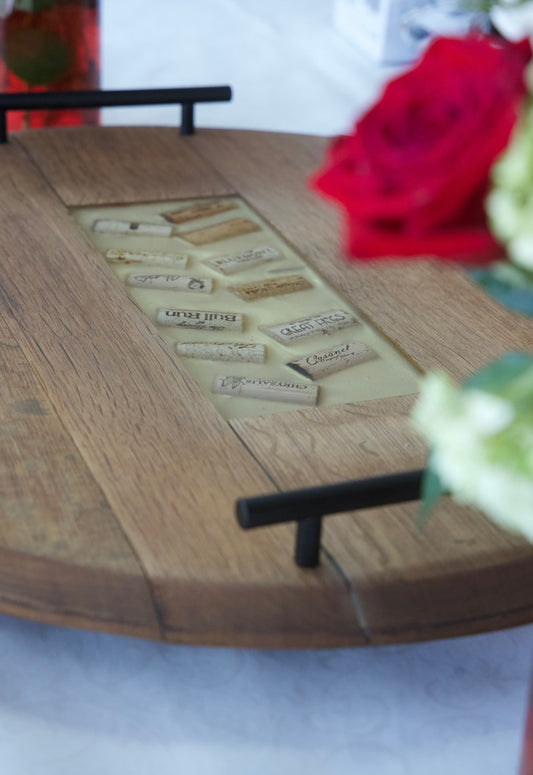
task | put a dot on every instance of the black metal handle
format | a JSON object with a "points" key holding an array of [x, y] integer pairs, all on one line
{"points": [[306, 507], [186, 96]]}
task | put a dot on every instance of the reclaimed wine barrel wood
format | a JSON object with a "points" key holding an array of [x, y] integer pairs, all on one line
{"points": [[118, 477]]}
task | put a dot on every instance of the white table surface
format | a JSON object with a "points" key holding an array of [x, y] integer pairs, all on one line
{"points": [[80, 703]]}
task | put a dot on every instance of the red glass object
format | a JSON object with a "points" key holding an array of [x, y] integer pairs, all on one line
{"points": [[53, 46]]}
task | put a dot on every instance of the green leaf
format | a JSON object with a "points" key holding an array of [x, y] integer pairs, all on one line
{"points": [[37, 57], [496, 377], [431, 491], [512, 286], [509, 273]]}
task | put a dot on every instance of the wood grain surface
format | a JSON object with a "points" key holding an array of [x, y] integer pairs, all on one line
{"points": [[159, 470], [62, 552], [121, 164]]}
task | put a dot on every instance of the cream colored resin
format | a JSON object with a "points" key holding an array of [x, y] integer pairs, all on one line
{"points": [[388, 374]]}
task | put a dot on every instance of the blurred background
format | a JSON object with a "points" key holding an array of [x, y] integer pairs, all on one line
{"points": [[290, 68]]}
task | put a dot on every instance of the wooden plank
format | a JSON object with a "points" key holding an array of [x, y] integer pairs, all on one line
{"points": [[120, 164], [350, 441], [63, 556], [170, 467], [458, 576]]}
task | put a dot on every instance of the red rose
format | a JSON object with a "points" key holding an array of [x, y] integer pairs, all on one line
{"points": [[413, 175]]}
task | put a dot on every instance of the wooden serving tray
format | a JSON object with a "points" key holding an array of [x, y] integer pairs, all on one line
{"points": [[118, 477]]}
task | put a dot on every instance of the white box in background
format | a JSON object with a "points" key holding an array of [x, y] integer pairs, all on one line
{"points": [[375, 26], [396, 31]]}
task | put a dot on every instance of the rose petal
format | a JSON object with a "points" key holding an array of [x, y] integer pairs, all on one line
{"points": [[415, 170], [364, 241]]}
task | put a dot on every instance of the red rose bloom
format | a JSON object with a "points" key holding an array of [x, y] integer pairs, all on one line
{"points": [[413, 175]]}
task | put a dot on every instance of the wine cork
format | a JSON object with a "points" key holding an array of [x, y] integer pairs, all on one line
{"points": [[171, 282], [220, 231], [228, 351], [241, 261], [199, 210], [178, 261], [333, 359], [278, 270], [132, 227], [275, 287], [199, 319], [322, 323], [266, 389]]}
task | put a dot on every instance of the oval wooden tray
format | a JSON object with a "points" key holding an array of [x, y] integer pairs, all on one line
{"points": [[118, 479]]}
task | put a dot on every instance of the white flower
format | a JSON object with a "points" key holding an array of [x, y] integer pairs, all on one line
{"points": [[449, 416], [520, 250], [509, 205], [482, 444]]}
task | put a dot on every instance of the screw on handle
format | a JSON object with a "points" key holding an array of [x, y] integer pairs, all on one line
{"points": [[186, 96], [308, 506]]}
